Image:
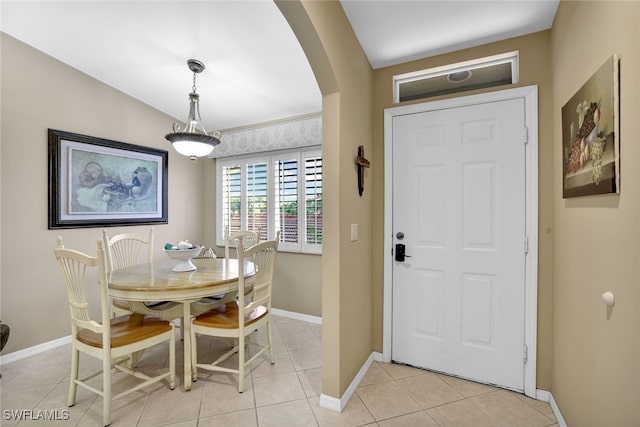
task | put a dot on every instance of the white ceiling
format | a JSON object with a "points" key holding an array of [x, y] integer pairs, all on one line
{"points": [[392, 32], [256, 70]]}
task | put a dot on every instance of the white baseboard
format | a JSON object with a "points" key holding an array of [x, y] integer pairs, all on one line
{"points": [[543, 395], [36, 349], [378, 357], [337, 405], [546, 396], [331, 403], [297, 316], [556, 411]]}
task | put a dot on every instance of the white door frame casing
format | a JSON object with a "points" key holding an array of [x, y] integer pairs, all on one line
{"points": [[530, 95]]}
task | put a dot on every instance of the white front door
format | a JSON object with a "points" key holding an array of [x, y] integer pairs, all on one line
{"points": [[459, 209]]}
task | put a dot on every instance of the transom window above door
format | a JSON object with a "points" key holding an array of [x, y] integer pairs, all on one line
{"points": [[496, 70]]}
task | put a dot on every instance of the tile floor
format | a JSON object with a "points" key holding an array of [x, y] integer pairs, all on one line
{"points": [[283, 394]]}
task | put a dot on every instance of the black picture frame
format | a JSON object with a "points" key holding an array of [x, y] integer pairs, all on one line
{"points": [[96, 182]]}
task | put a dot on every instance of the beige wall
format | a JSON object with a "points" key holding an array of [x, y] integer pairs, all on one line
{"points": [[596, 374], [299, 283], [534, 70]]}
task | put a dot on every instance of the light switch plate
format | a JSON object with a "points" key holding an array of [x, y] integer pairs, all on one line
{"points": [[354, 232]]}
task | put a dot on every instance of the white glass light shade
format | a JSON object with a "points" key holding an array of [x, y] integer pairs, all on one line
{"points": [[192, 148], [193, 140]]}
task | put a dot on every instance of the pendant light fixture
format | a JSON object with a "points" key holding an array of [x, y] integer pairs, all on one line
{"points": [[193, 140]]}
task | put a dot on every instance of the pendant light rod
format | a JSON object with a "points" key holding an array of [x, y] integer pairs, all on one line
{"points": [[193, 140]]}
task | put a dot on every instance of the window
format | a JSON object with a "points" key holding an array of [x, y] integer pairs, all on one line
{"points": [[266, 193], [480, 73]]}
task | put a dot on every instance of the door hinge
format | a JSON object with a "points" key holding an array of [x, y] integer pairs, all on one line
{"points": [[526, 245], [526, 135], [525, 356]]}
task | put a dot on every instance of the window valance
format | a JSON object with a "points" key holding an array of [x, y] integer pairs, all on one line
{"points": [[300, 132]]}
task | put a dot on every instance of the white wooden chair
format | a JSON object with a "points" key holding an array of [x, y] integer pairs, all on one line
{"points": [[238, 319], [112, 340], [207, 253], [125, 250], [249, 238]]}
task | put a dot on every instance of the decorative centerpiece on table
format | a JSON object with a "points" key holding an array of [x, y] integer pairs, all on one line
{"points": [[183, 252]]}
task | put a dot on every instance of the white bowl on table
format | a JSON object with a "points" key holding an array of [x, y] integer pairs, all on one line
{"points": [[183, 256]]}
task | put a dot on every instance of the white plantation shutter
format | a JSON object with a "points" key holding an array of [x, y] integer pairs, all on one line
{"points": [[286, 196], [231, 200], [278, 192], [257, 198], [313, 199]]}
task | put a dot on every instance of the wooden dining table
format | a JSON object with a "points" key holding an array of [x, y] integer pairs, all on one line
{"points": [[157, 282]]}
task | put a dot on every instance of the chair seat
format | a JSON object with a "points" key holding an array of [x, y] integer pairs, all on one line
{"points": [[226, 316], [127, 329]]}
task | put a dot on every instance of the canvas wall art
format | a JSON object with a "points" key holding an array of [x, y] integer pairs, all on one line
{"points": [[591, 136]]}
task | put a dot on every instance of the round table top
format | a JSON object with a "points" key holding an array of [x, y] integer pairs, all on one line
{"points": [[158, 276]]}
